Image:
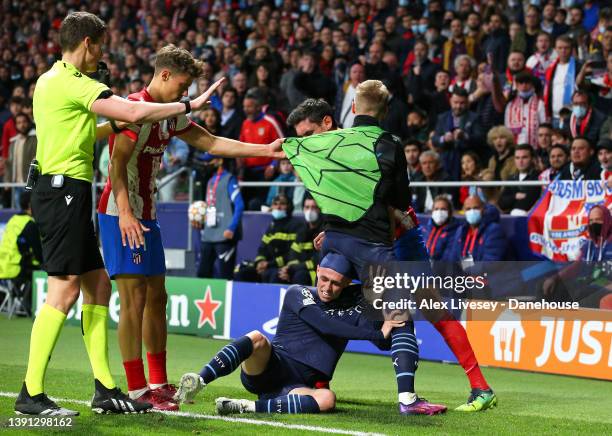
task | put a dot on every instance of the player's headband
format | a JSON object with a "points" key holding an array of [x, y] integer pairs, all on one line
{"points": [[336, 262]]}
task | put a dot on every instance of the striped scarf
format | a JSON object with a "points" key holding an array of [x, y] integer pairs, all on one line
{"points": [[514, 118]]}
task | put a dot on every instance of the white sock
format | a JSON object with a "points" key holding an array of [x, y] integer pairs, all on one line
{"points": [[156, 385], [250, 406], [134, 395], [407, 398]]}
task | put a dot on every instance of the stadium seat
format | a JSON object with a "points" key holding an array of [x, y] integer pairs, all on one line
{"points": [[15, 296]]}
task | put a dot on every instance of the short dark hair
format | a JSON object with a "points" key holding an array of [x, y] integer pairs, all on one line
{"points": [[77, 26], [230, 89], [584, 138], [313, 110], [460, 92], [413, 141], [254, 94], [545, 126], [524, 77], [562, 147], [525, 147], [24, 200]]}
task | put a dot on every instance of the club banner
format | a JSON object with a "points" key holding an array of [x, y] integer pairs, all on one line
{"points": [[558, 223], [568, 342], [195, 306]]}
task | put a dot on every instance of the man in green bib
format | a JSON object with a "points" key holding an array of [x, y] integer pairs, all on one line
{"points": [[66, 105]]}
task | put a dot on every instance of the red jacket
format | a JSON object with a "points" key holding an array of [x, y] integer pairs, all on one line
{"points": [[263, 130], [8, 132]]}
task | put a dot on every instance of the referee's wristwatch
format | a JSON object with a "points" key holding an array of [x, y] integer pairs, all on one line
{"points": [[187, 106]]}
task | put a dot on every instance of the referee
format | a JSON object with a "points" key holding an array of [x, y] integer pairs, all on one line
{"points": [[66, 102]]}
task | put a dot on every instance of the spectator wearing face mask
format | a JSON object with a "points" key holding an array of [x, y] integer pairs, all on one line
{"points": [[439, 230], [303, 258], [480, 237], [526, 111], [273, 251], [585, 120], [286, 175], [587, 280]]}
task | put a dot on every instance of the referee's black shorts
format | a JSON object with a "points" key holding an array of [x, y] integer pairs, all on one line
{"points": [[63, 216]]}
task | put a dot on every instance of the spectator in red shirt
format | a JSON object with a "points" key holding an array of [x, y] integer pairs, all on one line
{"points": [[257, 128]]}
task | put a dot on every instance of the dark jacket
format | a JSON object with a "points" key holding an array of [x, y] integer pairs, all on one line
{"points": [[508, 200], [419, 86], [419, 195], [315, 85], [592, 129], [439, 239], [276, 242], [450, 152], [395, 121], [490, 244], [498, 45], [592, 171], [231, 128], [303, 256]]}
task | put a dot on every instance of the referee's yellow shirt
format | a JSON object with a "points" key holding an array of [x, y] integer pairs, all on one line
{"points": [[65, 125]]}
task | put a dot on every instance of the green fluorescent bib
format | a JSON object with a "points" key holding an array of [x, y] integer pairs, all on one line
{"points": [[339, 168]]}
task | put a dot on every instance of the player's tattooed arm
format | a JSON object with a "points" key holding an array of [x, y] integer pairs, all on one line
{"points": [[201, 139]]}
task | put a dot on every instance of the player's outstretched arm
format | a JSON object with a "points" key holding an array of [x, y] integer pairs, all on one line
{"points": [[131, 229], [117, 108], [201, 139]]}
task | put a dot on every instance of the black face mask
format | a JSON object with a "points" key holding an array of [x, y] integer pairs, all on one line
{"points": [[595, 229]]}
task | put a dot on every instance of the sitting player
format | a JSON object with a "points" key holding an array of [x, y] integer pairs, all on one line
{"points": [[316, 116], [291, 374]]}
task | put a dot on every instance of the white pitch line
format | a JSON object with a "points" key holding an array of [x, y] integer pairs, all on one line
{"points": [[229, 419]]}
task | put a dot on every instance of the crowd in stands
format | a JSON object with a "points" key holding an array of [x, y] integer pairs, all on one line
{"points": [[480, 90]]}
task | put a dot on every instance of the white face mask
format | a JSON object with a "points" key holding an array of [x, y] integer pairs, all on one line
{"points": [[439, 216], [311, 216]]}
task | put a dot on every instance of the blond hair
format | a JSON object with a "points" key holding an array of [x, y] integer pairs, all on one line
{"points": [[177, 60], [371, 98], [500, 131]]}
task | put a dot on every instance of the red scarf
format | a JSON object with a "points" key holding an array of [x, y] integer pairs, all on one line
{"points": [[514, 118], [583, 124]]}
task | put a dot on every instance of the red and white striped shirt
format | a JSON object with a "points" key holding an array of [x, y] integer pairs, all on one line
{"points": [[151, 142]]}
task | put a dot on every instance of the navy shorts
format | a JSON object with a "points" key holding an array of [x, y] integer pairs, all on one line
{"points": [[147, 260], [358, 251], [280, 377]]}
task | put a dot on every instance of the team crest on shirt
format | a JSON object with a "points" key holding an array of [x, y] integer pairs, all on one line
{"points": [[137, 257], [261, 131], [308, 297]]}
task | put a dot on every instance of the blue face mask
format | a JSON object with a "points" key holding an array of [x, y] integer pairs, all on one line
{"points": [[403, 2], [249, 43], [579, 111], [304, 7], [279, 214], [422, 28], [249, 23], [535, 2], [278, 3], [415, 28], [473, 216], [525, 94]]}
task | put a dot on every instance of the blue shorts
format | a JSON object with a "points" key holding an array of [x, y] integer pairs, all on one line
{"points": [[281, 376], [148, 260]]}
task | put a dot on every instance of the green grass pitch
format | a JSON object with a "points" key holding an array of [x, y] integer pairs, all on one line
{"points": [[365, 387]]}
